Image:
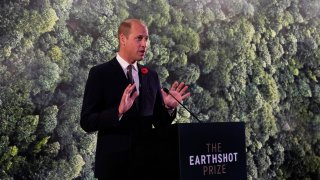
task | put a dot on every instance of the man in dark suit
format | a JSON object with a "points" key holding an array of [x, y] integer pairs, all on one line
{"points": [[122, 101]]}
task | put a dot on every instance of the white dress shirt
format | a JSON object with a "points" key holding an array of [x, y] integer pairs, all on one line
{"points": [[135, 71]]}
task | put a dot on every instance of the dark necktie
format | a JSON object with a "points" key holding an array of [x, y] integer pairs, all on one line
{"points": [[131, 81], [129, 74], [130, 77]]}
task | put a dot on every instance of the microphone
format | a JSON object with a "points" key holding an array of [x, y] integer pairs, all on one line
{"points": [[168, 92]]}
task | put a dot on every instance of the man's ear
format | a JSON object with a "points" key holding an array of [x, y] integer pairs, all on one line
{"points": [[123, 40]]}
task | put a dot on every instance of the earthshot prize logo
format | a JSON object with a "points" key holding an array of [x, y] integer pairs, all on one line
{"points": [[215, 161]]}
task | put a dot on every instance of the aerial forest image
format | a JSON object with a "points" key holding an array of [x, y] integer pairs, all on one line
{"points": [[252, 61]]}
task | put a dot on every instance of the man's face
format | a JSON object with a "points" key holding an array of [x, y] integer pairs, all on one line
{"points": [[135, 45]]}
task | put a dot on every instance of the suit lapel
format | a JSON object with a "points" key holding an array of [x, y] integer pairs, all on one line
{"points": [[144, 81], [144, 84], [118, 72]]}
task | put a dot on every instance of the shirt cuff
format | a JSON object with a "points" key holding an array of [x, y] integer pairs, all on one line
{"points": [[120, 117], [171, 111]]}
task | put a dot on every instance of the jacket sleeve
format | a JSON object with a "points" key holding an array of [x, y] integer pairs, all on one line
{"points": [[94, 116]]}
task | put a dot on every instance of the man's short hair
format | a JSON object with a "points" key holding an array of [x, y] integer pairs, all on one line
{"points": [[125, 26]]}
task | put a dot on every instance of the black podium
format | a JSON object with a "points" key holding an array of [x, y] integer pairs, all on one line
{"points": [[202, 151]]}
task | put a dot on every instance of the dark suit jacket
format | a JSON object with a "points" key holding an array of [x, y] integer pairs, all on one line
{"points": [[103, 92]]}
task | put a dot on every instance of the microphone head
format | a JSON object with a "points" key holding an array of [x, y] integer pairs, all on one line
{"points": [[166, 90]]}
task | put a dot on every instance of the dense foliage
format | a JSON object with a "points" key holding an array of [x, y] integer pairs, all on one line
{"points": [[256, 61]]}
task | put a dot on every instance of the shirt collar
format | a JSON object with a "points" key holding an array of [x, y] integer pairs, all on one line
{"points": [[124, 64]]}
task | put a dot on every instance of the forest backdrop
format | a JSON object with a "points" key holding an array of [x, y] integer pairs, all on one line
{"points": [[256, 61]]}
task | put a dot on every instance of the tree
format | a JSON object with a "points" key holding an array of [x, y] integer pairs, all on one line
{"points": [[251, 61]]}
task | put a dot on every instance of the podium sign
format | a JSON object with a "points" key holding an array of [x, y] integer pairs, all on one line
{"points": [[212, 151]]}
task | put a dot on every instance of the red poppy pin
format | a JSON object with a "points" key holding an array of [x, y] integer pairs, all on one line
{"points": [[144, 70]]}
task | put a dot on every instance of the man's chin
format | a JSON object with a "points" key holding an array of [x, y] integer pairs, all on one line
{"points": [[140, 58]]}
